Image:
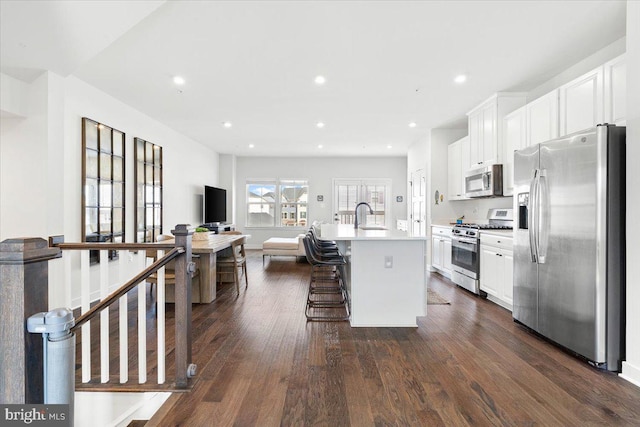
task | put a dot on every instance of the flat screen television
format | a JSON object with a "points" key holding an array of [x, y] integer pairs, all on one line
{"points": [[214, 205]]}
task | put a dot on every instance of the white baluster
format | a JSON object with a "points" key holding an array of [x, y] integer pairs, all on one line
{"points": [[123, 325], [85, 305], [160, 304], [66, 256], [104, 317], [142, 330]]}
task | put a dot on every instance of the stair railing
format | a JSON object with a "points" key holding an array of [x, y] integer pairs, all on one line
{"points": [[180, 251]]}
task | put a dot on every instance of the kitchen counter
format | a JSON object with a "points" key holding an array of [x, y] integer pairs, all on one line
{"points": [[385, 275], [501, 233], [347, 232], [442, 223]]}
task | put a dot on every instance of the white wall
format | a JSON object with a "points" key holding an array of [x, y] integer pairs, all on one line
{"points": [[631, 367], [418, 156], [13, 97], [24, 164], [227, 180], [187, 165], [41, 158], [319, 172], [440, 140]]}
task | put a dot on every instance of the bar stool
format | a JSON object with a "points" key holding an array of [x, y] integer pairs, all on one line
{"points": [[327, 292], [322, 245]]}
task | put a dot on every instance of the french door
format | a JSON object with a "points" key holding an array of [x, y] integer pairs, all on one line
{"points": [[347, 193], [418, 203]]}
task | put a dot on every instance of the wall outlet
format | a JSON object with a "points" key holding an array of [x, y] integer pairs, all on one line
{"points": [[388, 261]]}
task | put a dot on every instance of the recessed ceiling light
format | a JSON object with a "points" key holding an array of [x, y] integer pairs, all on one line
{"points": [[178, 80], [320, 125], [389, 146], [251, 145], [460, 78], [319, 80], [227, 124], [413, 124], [319, 145]]}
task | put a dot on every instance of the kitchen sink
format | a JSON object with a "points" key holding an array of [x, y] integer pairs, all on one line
{"points": [[373, 227]]}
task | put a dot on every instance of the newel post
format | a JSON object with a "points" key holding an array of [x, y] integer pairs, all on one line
{"points": [[183, 267], [24, 290]]}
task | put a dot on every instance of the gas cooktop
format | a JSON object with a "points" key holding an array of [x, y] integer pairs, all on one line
{"points": [[485, 226]]}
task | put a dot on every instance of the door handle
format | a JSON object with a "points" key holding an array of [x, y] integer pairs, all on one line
{"points": [[542, 235], [533, 188]]}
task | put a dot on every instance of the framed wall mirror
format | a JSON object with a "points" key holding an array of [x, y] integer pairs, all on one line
{"points": [[148, 208], [103, 185]]}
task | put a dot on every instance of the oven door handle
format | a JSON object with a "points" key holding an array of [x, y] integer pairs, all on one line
{"points": [[464, 242]]}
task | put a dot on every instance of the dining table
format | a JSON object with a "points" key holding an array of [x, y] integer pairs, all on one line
{"points": [[207, 250]]}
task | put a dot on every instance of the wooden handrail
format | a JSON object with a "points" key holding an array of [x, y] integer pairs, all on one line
{"points": [[113, 246], [95, 310]]}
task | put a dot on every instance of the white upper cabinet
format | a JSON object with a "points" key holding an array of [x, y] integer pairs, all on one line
{"points": [[475, 135], [535, 122], [542, 118], [581, 102], [490, 134], [515, 138], [485, 127], [458, 163], [615, 91]]}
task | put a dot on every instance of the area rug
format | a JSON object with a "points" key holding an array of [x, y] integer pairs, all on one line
{"points": [[434, 298]]}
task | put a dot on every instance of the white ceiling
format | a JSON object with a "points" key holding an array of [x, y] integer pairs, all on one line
{"points": [[387, 63]]}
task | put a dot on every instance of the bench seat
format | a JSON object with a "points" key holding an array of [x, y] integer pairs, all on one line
{"points": [[283, 246]]}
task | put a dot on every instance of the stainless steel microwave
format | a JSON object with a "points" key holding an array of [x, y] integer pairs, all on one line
{"points": [[483, 181]]}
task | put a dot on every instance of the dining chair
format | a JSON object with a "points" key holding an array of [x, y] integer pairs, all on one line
{"points": [[169, 269], [237, 261]]}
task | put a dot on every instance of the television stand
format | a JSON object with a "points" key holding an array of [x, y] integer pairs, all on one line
{"points": [[217, 227]]}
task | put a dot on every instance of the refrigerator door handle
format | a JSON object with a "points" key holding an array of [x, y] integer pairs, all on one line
{"points": [[533, 188], [542, 233]]}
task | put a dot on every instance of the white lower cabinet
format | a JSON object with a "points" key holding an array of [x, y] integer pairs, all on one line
{"points": [[441, 250], [496, 269]]}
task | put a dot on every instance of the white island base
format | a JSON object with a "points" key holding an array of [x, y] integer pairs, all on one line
{"points": [[386, 275]]}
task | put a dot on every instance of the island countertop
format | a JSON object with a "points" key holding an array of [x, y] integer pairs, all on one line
{"points": [[347, 232]]}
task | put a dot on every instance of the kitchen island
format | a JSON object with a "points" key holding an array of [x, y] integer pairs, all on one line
{"points": [[386, 274]]}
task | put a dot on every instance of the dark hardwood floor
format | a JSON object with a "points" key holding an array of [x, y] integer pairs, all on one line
{"points": [[261, 364]]}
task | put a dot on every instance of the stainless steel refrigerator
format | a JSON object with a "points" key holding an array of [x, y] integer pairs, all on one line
{"points": [[569, 260]]}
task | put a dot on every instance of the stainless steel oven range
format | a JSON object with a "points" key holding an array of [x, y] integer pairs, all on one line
{"points": [[465, 248]]}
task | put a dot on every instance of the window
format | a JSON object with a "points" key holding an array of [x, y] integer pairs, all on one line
{"points": [[293, 203], [103, 194], [261, 204], [148, 172], [348, 193], [270, 199]]}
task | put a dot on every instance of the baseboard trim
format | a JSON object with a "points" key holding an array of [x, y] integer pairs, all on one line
{"points": [[630, 373]]}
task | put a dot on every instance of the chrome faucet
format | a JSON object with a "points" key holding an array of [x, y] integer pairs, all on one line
{"points": [[355, 212]]}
